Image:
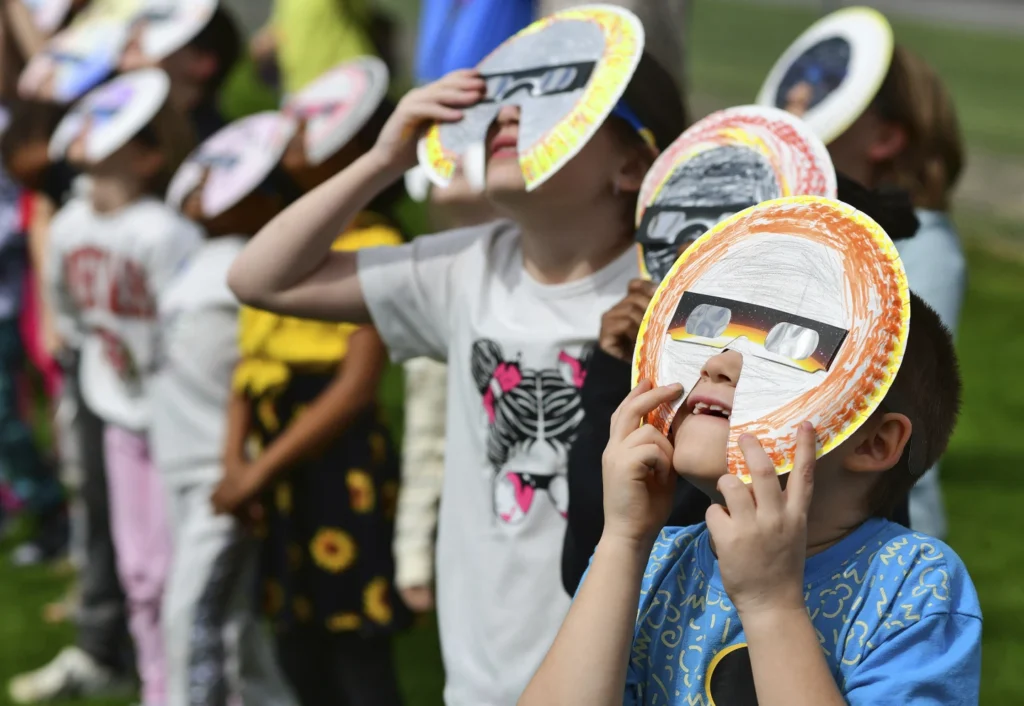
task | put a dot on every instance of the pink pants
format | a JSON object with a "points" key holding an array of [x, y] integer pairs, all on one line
{"points": [[142, 540]]}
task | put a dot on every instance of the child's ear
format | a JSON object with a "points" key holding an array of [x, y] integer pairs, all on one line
{"points": [[879, 444], [206, 65], [631, 176], [151, 162], [890, 140]]}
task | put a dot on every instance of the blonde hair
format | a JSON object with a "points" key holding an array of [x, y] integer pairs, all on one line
{"points": [[914, 97]]}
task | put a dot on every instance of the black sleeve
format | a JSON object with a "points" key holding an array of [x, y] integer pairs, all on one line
{"points": [[606, 385]]}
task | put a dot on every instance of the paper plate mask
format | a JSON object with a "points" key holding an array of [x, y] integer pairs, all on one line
{"points": [[111, 115], [813, 295], [48, 15], [337, 105], [566, 72], [235, 161], [74, 61], [833, 71], [165, 26], [725, 163]]}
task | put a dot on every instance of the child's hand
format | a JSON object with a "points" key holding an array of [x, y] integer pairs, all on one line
{"points": [[418, 599], [621, 324], [234, 491], [761, 539], [439, 101], [639, 482]]}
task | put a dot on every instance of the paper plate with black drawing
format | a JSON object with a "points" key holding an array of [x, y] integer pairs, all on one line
{"points": [[48, 15], [111, 115], [336, 106], [833, 71], [813, 295], [566, 72], [162, 27], [723, 164], [231, 164], [74, 61]]}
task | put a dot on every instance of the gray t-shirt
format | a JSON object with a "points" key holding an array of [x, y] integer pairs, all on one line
{"points": [[197, 358], [515, 351]]}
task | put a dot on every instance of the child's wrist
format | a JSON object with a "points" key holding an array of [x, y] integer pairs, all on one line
{"points": [[625, 545], [769, 617]]}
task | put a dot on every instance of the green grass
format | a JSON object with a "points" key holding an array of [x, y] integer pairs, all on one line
{"points": [[983, 492], [733, 45]]}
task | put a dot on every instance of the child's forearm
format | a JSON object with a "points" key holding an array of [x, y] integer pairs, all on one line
{"points": [[587, 662], [238, 424], [788, 664], [289, 267], [330, 415]]}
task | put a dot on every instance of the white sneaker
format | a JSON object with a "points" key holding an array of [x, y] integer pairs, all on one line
{"points": [[72, 673]]}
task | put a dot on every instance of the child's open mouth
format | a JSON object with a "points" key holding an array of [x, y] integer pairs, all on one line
{"points": [[505, 145], [709, 406]]}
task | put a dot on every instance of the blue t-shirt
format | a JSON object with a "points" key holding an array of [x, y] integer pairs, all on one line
{"points": [[458, 34], [896, 613]]}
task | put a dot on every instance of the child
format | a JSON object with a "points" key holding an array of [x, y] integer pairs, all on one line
{"points": [[197, 70], [783, 598], [608, 382], [513, 307], [113, 253], [910, 138], [323, 462], [215, 647]]}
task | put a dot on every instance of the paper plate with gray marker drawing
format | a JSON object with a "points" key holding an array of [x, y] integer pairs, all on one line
{"points": [[162, 27], [335, 107], [729, 161], [812, 294], [233, 163], [74, 61], [566, 73], [833, 71], [110, 116]]}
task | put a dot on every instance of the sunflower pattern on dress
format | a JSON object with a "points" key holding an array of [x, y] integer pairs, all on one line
{"points": [[326, 559]]}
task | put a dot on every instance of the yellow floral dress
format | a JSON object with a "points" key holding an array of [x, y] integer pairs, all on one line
{"points": [[326, 551]]}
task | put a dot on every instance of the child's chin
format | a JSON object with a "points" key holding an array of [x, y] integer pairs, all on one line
{"points": [[701, 470]]}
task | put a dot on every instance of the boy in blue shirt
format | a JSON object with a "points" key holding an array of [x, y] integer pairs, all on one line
{"points": [[802, 595]]}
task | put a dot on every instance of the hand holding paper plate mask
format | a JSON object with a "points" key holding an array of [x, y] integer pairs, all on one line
{"points": [[333, 109], [74, 61], [833, 71], [813, 296], [110, 116], [566, 72], [162, 27], [723, 164], [233, 163]]}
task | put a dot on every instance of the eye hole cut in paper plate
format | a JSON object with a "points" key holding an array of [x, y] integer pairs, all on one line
{"points": [[48, 15], [566, 72], [336, 106], [723, 164], [232, 163], [74, 61], [110, 116], [833, 71], [162, 27], [812, 294]]}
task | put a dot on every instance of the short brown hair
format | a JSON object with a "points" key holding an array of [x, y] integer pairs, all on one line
{"points": [[657, 100], [914, 97], [926, 389], [170, 133]]}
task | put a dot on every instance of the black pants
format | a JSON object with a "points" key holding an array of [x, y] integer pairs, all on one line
{"points": [[102, 628], [343, 669]]}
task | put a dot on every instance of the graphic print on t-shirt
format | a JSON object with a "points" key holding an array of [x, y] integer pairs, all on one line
{"points": [[532, 417]]}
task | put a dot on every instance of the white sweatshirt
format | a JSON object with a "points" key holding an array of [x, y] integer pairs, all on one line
{"points": [[107, 273]]}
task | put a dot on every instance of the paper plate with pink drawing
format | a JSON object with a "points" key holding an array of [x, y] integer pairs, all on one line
{"points": [[566, 73], [723, 164], [74, 61], [48, 15], [162, 27], [231, 164], [833, 71], [110, 116], [336, 106], [813, 296]]}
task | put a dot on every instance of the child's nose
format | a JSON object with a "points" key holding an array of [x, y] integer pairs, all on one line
{"points": [[508, 114], [723, 368]]}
